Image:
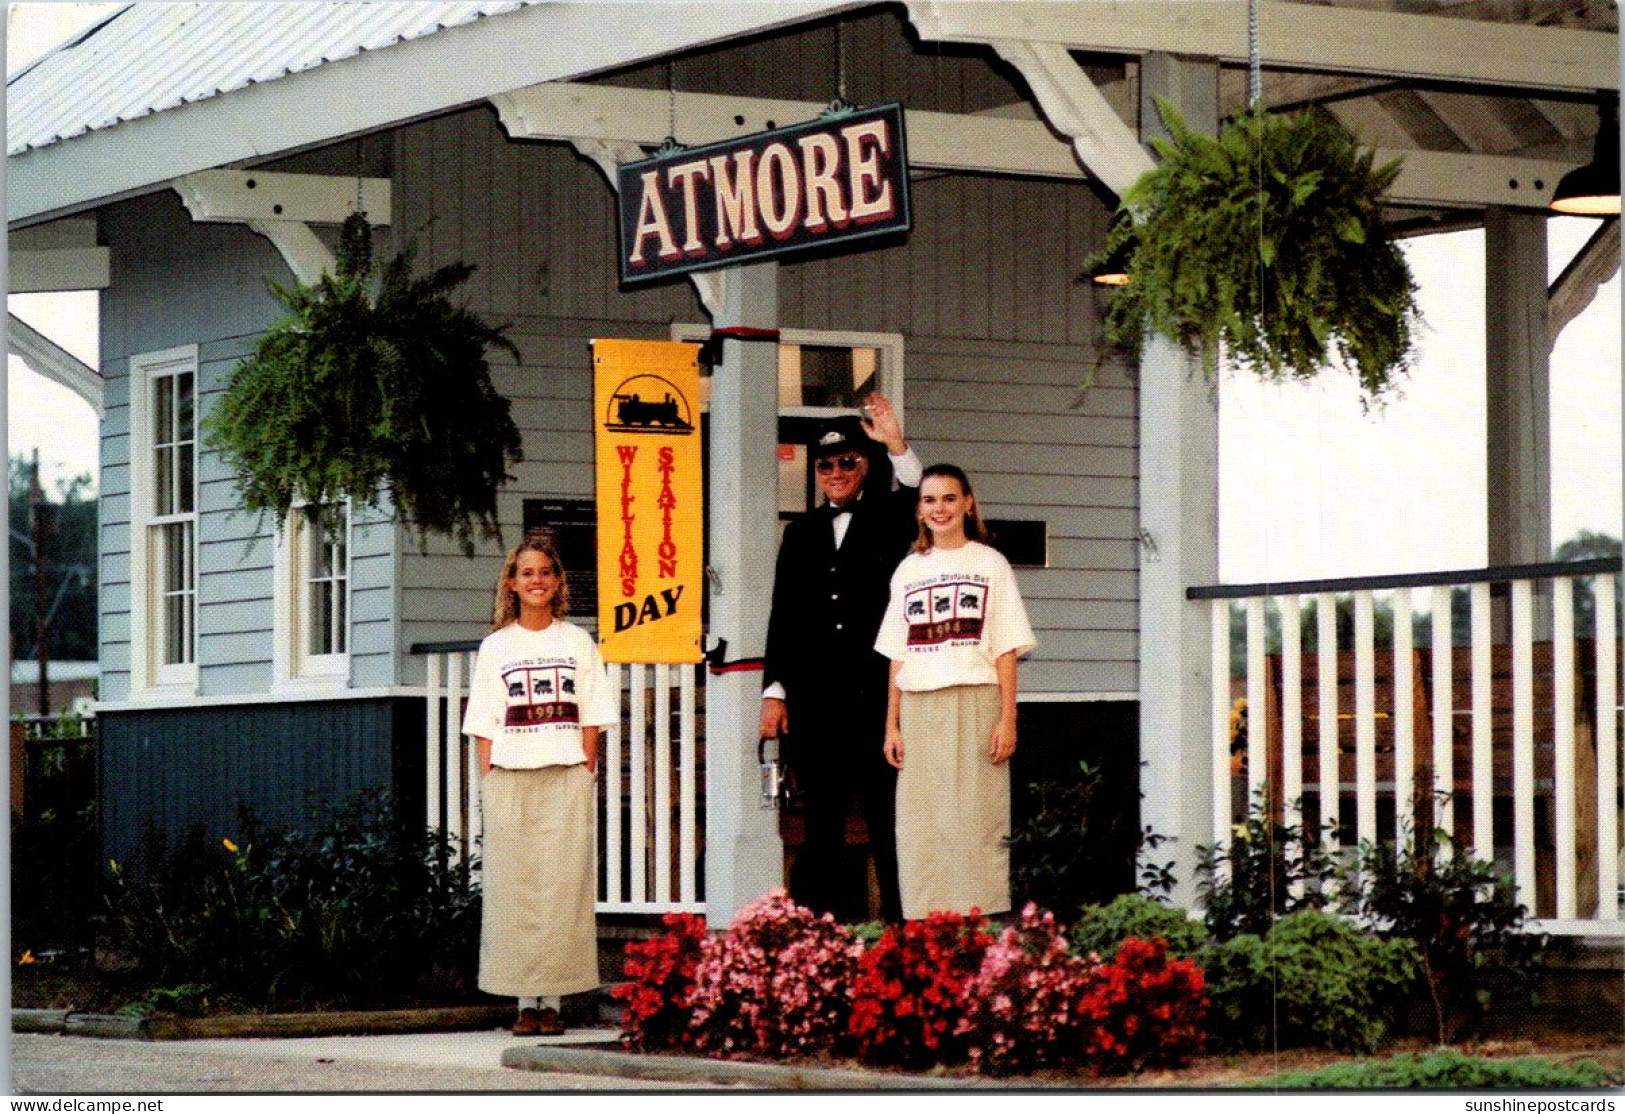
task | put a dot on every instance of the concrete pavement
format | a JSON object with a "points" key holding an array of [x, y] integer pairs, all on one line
{"points": [[466, 1062]]}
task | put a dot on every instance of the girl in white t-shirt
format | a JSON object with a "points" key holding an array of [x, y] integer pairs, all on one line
{"points": [[537, 701], [953, 631]]}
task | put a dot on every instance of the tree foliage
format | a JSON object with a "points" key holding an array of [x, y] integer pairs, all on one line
{"points": [[70, 567], [1267, 241], [374, 388]]}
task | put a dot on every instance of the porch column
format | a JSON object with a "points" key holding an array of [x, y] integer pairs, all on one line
{"points": [[744, 857], [1517, 352], [1179, 510]]}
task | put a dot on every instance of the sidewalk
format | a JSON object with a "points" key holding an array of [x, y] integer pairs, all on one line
{"points": [[485, 1060]]}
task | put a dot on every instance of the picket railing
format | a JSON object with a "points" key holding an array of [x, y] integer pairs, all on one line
{"points": [[648, 815], [1509, 742]]}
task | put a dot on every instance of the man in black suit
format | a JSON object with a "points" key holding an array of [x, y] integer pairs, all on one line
{"points": [[824, 684]]}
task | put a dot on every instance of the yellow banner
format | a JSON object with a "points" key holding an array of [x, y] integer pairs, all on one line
{"points": [[651, 508]]}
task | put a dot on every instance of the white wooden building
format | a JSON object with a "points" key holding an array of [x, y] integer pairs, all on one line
{"points": [[179, 155]]}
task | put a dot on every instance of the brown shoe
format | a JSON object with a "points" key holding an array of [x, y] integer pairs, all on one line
{"points": [[538, 1023]]}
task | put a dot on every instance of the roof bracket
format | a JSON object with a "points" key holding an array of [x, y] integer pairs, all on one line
{"points": [[281, 207]]}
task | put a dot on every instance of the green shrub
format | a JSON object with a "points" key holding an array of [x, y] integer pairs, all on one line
{"points": [[361, 912], [1319, 981], [1268, 869], [1445, 1068], [1066, 852], [1460, 913], [1100, 928]]}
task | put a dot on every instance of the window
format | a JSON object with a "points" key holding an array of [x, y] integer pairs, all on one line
{"points": [[312, 604], [821, 375], [163, 529]]}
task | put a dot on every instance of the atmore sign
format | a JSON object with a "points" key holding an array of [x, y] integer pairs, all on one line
{"points": [[838, 178]]}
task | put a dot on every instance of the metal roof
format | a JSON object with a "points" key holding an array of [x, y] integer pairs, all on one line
{"points": [[151, 57]]}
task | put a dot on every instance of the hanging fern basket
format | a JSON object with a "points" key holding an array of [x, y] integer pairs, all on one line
{"points": [[374, 388], [1266, 243]]}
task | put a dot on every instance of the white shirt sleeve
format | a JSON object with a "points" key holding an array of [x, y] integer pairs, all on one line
{"points": [[907, 467], [487, 703], [597, 704], [892, 641], [1007, 625]]}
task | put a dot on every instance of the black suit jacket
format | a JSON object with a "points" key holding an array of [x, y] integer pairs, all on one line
{"points": [[827, 608]]}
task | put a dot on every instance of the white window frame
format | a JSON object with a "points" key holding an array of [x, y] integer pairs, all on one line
{"points": [[891, 363], [293, 666], [149, 674]]}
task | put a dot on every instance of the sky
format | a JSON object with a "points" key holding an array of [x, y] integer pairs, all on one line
{"points": [[1310, 485]]}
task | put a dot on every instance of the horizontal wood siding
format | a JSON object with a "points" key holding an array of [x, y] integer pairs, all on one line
{"points": [[176, 770]]}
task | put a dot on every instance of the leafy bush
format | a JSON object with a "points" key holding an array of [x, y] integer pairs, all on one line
{"points": [[660, 983], [1443, 1069], [909, 996], [361, 911], [1101, 928], [1143, 1009], [1268, 241], [776, 982], [1056, 853], [1269, 869], [1462, 915], [1025, 1002], [1240, 992], [374, 388]]}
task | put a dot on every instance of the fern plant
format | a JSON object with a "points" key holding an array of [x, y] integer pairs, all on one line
{"points": [[1266, 241], [375, 388]]}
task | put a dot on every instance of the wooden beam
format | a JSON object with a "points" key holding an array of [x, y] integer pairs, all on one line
{"points": [[1105, 145], [54, 362], [254, 195], [936, 140], [1574, 290], [1295, 36], [52, 269], [943, 141]]}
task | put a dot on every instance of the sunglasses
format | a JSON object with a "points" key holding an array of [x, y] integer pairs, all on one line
{"points": [[848, 463]]}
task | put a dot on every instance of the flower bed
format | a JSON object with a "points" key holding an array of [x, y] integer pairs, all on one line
{"points": [[783, 982]]}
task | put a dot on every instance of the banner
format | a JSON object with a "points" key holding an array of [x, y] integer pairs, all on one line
{"points": [[651, 506]]}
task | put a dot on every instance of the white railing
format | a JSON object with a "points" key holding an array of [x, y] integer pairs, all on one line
{"points": [[1509, 743], [648, 813]]}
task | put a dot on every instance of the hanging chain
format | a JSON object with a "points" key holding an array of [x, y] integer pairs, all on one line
{"points": [[360, 169], [840, 106], [1255, 72], [670, 144]]}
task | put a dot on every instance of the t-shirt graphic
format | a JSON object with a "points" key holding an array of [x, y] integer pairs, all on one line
{"points": [[541, 692], [947, 612]]}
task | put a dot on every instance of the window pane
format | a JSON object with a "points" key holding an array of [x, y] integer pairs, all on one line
{"points": [[163, 473], [175, 578], [163, 411], [341, 616], [175, 630], [184, 456], [183, 407], [321, 618]]}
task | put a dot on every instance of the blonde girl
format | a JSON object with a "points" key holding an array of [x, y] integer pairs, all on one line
{"points": [[954, 629], [539, 697]]}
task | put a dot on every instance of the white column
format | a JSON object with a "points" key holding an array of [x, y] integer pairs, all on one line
{"points": [[1518, 388], [744, 857], [1179, 508]]}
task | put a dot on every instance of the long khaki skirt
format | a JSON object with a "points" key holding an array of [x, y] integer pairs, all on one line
{"points": [[953, 804], [537, 933]]}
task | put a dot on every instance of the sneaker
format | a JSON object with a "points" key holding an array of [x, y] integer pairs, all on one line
{"points": [[538, 1023]]}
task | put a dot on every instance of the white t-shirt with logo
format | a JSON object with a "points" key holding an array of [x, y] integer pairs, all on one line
{"points": [[953, 614], [534, 690]]}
